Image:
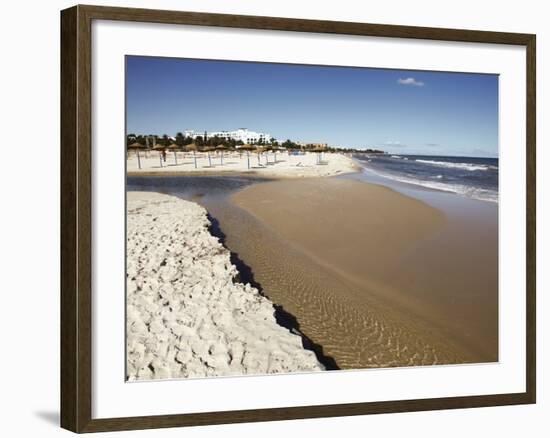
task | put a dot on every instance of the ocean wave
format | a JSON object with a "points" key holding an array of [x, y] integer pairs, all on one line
{"points": [[470, 192], [465, 166]]}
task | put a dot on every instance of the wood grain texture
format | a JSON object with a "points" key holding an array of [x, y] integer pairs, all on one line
{"points": [[76, 217], [299, 25], [69, 327], [339, 410], [531, 250]]}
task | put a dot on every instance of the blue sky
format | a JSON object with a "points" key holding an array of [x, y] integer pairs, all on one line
{"points": [[400, 111]]}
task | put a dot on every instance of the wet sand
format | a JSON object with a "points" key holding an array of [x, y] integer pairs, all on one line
{"points": [[372, 277], [375, 277]]}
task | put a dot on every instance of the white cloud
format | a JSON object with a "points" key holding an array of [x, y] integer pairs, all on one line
{"points": [[410, 81]]}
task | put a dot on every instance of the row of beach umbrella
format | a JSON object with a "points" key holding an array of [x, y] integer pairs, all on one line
{"points": [[220, 148]]}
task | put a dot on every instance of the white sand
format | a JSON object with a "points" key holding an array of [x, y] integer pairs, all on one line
{"points": [[285, 166], [186, 317]]}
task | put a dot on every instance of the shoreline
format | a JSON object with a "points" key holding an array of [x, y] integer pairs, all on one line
{"points": [[302, 284], [404, 180], [187, 313], [381, 264]]}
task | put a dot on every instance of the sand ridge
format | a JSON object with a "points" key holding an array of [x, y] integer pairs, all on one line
{"points": [[186, 314]]}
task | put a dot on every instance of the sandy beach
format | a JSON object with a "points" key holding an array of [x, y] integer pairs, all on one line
{"points": [[369, 276], [385, 280], [280, 165], [365, 221], [187, 313]]}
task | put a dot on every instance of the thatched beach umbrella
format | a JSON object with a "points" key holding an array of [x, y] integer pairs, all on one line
{"points": [[221, 148], [208, 150], [247, 148], [231, 148], [192, 147], [274, 149], [161, 149], [175, 148], [266, 149], [319, 152], [137, 146], [259, 151]]}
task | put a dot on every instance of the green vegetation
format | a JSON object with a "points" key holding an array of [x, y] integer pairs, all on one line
{"points": [[203, 142]]}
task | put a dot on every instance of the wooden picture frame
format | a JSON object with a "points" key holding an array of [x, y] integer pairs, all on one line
{"points": [[76, 217]]}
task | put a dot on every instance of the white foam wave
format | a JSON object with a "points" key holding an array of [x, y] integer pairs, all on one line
{"points": [[470, 192], [466, 166]]}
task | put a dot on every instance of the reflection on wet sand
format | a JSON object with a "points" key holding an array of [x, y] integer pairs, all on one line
{"points": [[336, 255]]}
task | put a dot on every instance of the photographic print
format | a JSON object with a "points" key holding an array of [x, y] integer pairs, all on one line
{"points": [[285, 218]]}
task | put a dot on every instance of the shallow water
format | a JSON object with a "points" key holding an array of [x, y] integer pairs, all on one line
{"points": [[353, 326], [467, 272], [206, 189]]}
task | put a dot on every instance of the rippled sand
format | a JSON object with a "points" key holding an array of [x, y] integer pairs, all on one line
{"points": [[355, 328], [328, 250], [372, 277]]}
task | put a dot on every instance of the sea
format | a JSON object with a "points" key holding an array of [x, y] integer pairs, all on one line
{"points": [[472, 177]]}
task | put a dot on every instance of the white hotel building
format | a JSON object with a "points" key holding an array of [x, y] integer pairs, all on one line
{"points": [[242, 134]]}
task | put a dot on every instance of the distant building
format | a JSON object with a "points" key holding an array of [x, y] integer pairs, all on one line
{"points": [[241, 134]]}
